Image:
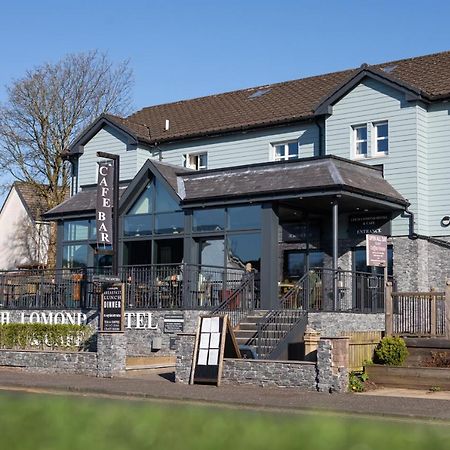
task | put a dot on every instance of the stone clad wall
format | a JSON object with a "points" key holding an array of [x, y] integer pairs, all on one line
{"points": [[328, 374], [293, 374], [334, 324], [83, 363]]}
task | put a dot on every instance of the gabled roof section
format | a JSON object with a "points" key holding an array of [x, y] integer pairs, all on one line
{"points": [[364, 72], [425, 77], [132, 132], [165, 173]]}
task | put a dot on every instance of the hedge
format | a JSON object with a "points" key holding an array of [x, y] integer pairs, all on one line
{"points": [[44, 336]]}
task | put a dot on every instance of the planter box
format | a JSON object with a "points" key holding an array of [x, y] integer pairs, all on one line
{"points": [[409, 377]]}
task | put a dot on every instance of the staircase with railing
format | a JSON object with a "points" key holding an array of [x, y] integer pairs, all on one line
{"points": [[239, 302]]}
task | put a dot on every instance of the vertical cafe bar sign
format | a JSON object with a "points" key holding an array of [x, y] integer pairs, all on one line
{"points": [[104, 222]]}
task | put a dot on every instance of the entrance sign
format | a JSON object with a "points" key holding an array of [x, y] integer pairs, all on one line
{"points": [[104, 220], [360, 225], [215, 340], [376, 250], [112, 307]]}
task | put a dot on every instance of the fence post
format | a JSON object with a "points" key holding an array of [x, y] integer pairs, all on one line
{"points": [[433, 314], [388, 302], [447, 309]]}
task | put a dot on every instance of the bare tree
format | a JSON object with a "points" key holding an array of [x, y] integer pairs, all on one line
{"points": [[47, 108]]}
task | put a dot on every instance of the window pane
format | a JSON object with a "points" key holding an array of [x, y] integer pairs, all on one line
{"points": [[293, 149], [294, 265], [76, 230], [202, 161], [382, 145], [209, 220], [243, 249], [361, 148], [212, 252], [171, 223], [75, 256], [361, 133], [382, 130], [144, 204], [164, 201], [315, 259], [279, 151], [136, 253], [140, 225], [244, 217]]}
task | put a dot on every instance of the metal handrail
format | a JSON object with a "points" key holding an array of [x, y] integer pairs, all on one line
{"points": [[240, 302]]}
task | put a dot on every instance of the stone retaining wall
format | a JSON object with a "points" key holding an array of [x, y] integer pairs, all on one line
{"points": [[334, 324], [295, 374], [328, 374], [83, 363]]}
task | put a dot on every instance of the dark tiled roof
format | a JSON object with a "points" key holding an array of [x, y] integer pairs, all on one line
{"points": [[277, 103], [294, 177], [82, 203], [291, 177], [33, 200]]}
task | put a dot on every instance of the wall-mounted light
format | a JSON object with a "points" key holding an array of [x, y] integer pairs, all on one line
{"points": [[445, 221]]}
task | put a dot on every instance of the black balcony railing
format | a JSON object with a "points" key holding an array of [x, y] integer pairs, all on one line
{"points": [[356, 292], [169, 286]]}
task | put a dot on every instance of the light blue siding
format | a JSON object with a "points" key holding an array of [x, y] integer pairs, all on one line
{"points": [[438, 167], [371, 102], [244, 148], [108, 140]]}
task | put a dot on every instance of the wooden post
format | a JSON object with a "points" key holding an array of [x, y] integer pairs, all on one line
{"points": [[433, 314], [388, 305], [447, 309]]}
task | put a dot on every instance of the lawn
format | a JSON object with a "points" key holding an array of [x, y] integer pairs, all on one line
{"points": [[29, 421]]}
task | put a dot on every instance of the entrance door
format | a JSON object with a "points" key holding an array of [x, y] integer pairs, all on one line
{"points": [[368, 283]]}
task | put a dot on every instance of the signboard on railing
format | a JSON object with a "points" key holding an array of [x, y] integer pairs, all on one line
{"points": [[376, 250], [112, 307]]}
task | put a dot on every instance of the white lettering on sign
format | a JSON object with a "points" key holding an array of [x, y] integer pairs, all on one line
{"points": [[133, 320]]}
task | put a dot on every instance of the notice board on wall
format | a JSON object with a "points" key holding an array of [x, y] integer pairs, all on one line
{"points": [[215, 340], [112, 304]]}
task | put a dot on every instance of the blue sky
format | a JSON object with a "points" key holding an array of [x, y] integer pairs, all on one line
{"points": [[184, 49]]}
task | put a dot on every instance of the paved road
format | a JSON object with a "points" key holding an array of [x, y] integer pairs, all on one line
{"points": [[159, 386]]}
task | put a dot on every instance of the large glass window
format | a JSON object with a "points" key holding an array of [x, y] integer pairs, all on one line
{"points": [[164, 201], [244, 217], [144, 204], [169, 223], [243, 249], [288, 150], [209, 220], [140, 225], [154, 212], [298, 262], [137, 252], [76, 230], [75, 256]]}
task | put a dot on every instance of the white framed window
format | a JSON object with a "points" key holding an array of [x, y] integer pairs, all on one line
{"points": [[381, 136], [360, 140], [285, 151], [196, 161], [370, 140]]}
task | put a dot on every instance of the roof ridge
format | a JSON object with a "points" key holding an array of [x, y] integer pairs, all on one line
{"points": [[280, 83]]}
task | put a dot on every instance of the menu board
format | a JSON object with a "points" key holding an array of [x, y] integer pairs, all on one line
{"points": [[112, 307], [215, 338]]}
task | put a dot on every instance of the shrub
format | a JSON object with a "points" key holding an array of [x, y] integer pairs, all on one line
{"points": [[42, 336], [438, 359], [391, 351], [356, 381]]}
